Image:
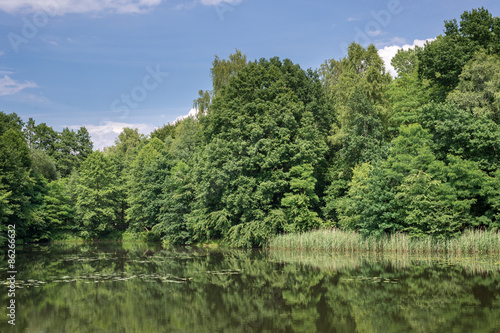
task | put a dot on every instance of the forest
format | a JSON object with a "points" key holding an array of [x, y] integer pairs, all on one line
{"points": [[278, 149]]}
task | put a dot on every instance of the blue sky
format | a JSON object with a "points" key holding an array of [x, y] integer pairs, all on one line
{"points": [[107, 64]]}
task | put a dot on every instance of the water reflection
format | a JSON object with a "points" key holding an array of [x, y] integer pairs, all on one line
{"points": [[133, 287]]}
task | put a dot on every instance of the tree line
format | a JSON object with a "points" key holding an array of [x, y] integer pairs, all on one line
{"points": [[275, 148]]}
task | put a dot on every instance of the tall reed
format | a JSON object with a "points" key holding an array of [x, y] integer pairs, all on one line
{"points": [[471, 241]]}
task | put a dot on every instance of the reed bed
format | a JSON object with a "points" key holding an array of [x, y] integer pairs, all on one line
{"points": [[471, 241], [348, 261]]}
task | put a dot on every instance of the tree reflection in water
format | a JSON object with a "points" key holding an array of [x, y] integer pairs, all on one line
{"points": [[131, 287]]}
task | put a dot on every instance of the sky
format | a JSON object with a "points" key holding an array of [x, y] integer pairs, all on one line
{"points": [[110, 64]]}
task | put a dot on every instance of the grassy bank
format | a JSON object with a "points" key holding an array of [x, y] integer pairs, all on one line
{"points": [[471, 241]]}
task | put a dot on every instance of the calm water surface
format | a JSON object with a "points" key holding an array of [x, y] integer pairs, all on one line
{"points": [[135, 287]]}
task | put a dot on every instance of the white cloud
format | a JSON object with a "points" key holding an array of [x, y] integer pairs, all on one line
{"points": [[396, 41], [51, 42], [218, 2], [351, 19], [104, 135], [61, 7], [191, 5], [192, 113], [2, 53], [36, 98], [186, 6], [374, 33], [388, 52], [9, 86]]}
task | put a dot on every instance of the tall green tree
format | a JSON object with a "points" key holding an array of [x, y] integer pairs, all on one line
{"points": [[146, 182], [37, 228], [442, 60], [408, 92], [301, 199], [15, 181], [66, 152], [29, 133], [43, 164], [122, 155], [177, 198], [59, 211], [96, 202], [68, 148], [223, 70], [202, 103], [363, 142], [462, 134], [84, 143], [45, 138], [259, 127], [178, 188], [5, 209], [478, 89], [8, 121], [414, 192], [188, 137], [405, 62], [361, 70], [167, 132]]}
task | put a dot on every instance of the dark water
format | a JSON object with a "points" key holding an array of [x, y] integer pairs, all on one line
{"points": [[132, 287]]}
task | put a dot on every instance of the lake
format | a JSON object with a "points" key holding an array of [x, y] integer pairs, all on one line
{"points": [[136, 287]]}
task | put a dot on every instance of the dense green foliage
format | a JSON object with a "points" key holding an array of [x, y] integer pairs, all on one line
{"points": [[274, 148], [443, 60]]}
